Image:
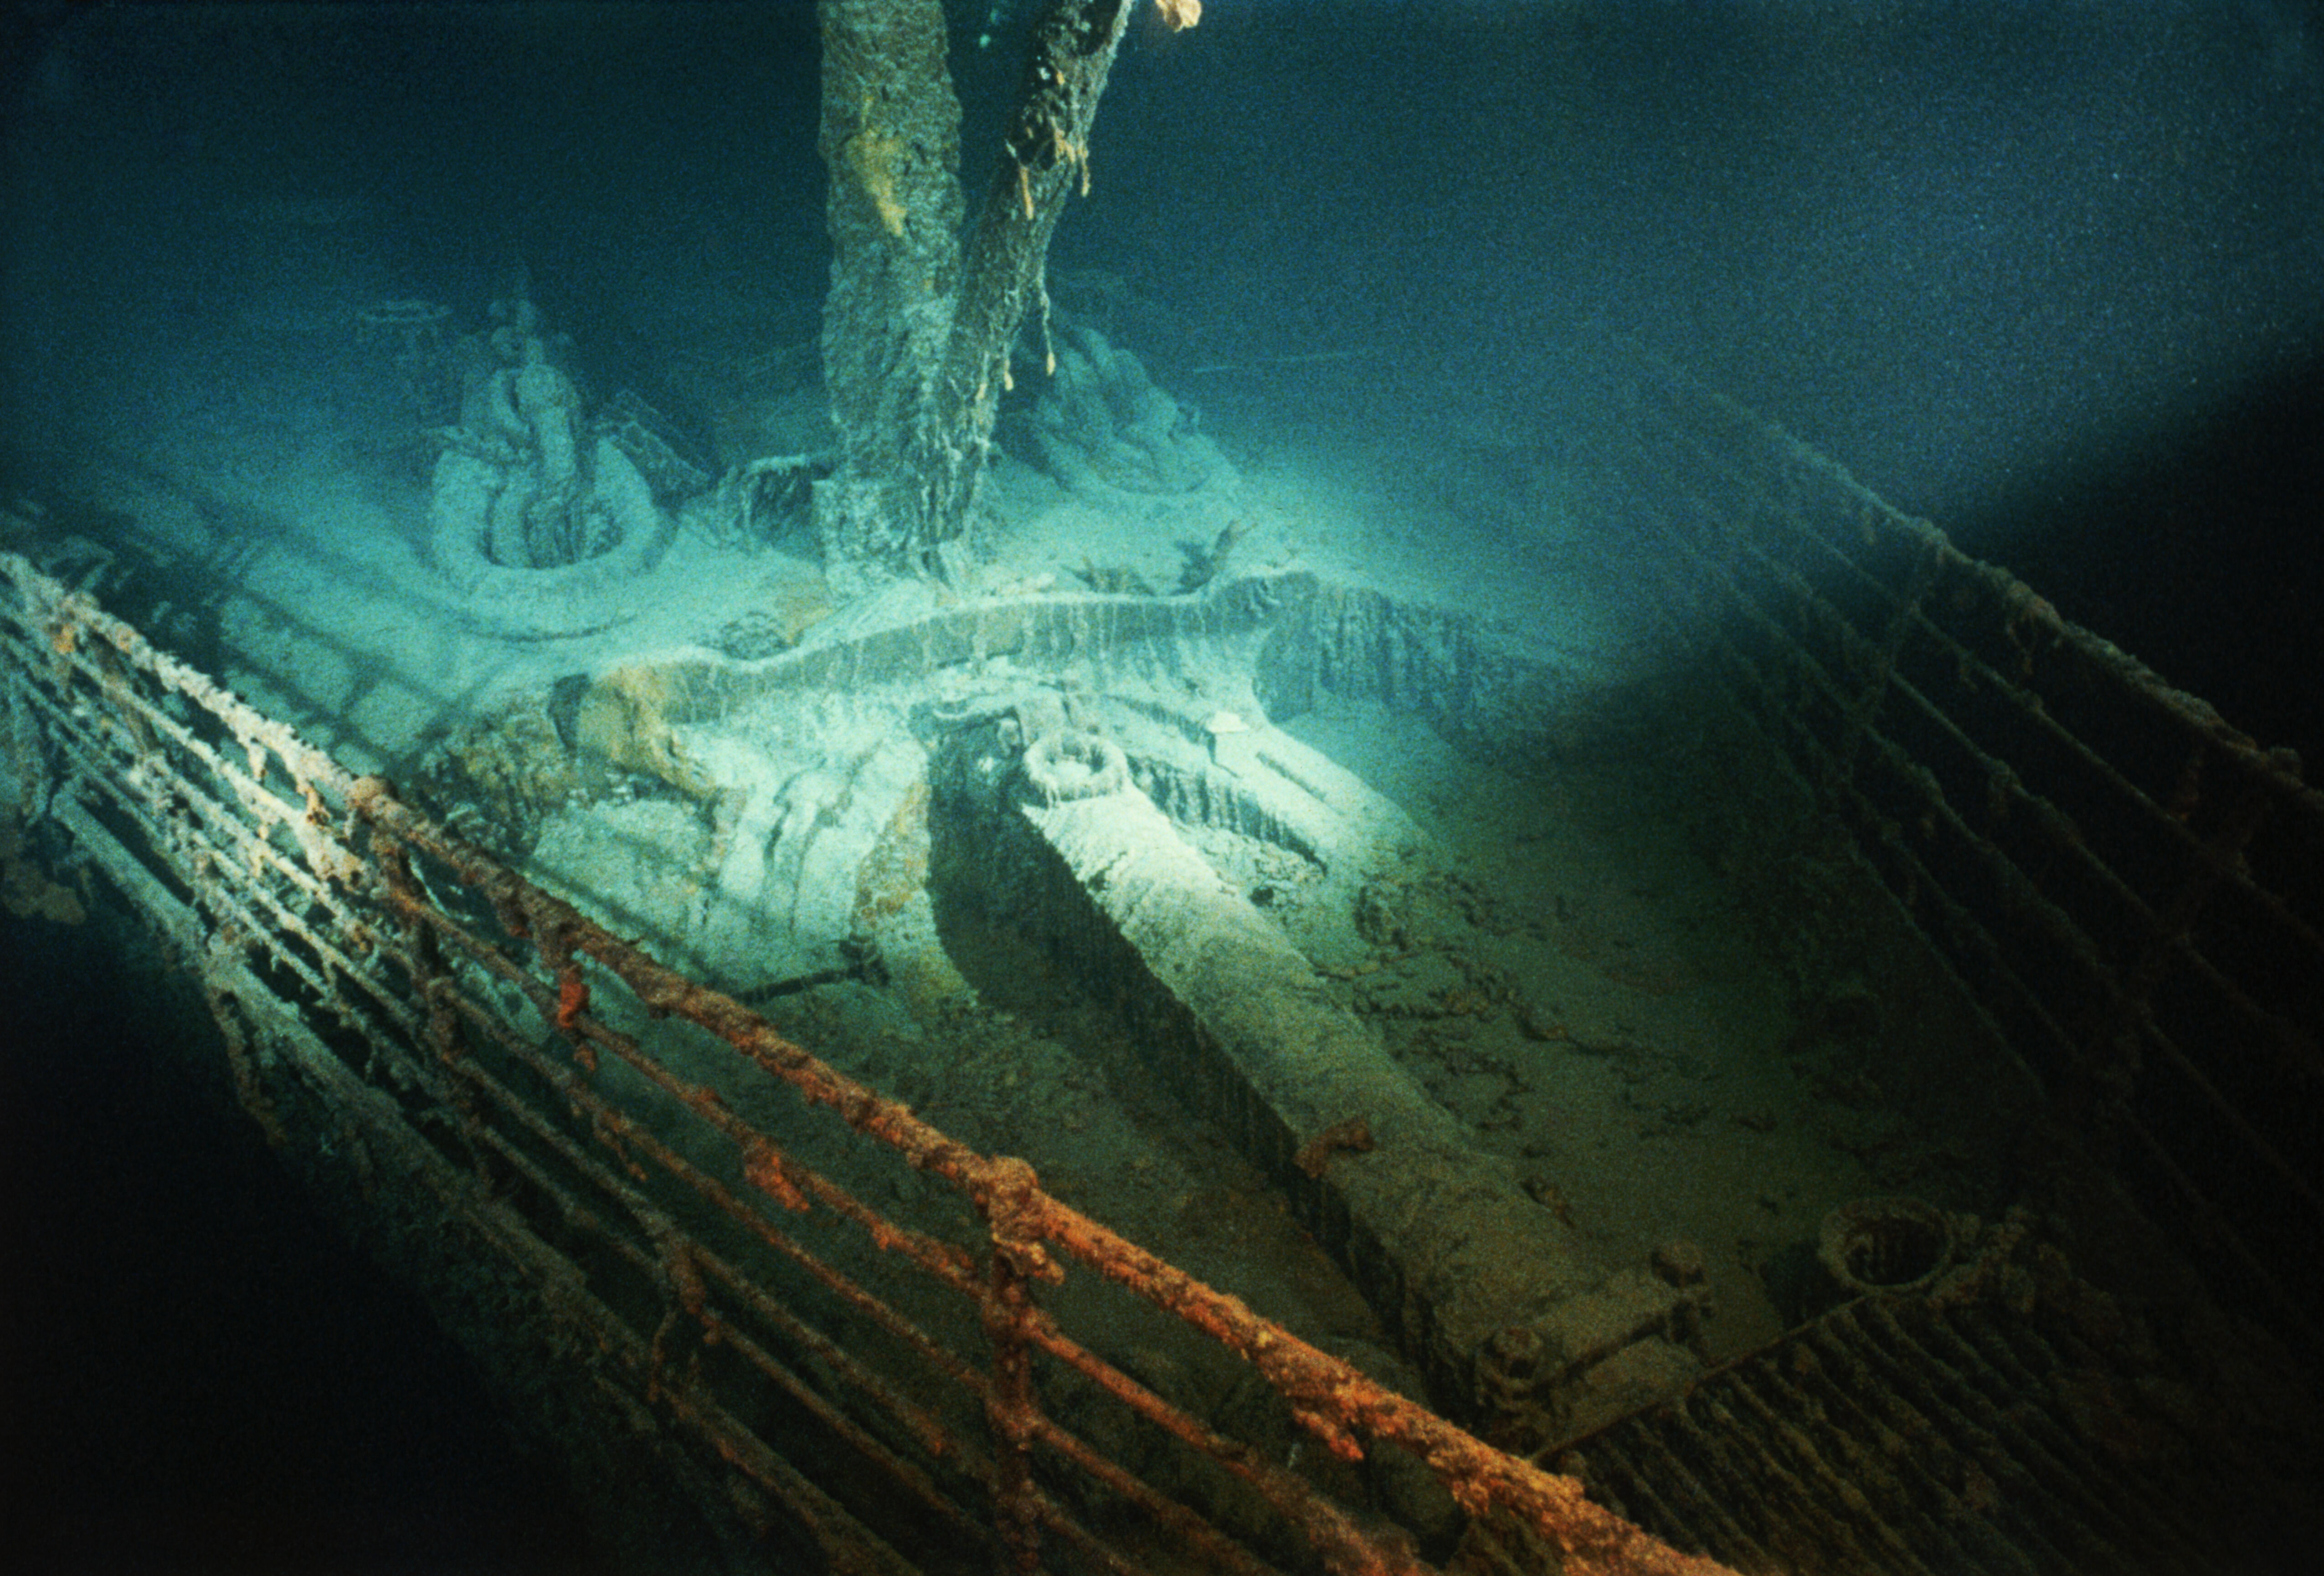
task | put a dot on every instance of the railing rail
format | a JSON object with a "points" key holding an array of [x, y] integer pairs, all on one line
{"points": [[461, 1012], [2133, 889]]}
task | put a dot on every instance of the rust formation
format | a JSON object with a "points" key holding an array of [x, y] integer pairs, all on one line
{"points": [[2126, 884], [458, 1016]]}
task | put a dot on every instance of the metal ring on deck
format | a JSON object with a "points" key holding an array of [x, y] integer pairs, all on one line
{"points": [[1068, 764], [1885, 1245]]}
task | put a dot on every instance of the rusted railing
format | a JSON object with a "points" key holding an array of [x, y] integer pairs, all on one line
{"points": [[2131, 889], [743, 1297]]}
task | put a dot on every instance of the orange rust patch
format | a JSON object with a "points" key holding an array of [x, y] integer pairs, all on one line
{"points": [[896, 868], [1354, 1134]]}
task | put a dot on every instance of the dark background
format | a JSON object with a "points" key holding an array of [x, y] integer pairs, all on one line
{"points": [[199, 1374], [2048, 273]]}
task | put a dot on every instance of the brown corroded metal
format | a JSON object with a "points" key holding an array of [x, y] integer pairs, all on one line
{"points": [[1335, 1401], [201, 795]]}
